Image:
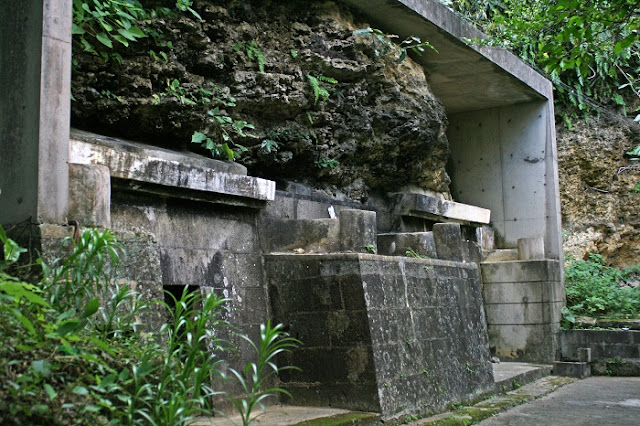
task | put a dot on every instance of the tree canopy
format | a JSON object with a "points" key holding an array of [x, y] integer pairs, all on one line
{"points": [[589, 49]]}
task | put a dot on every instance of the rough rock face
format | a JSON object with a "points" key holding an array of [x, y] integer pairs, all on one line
{"points": [[600, 207], [380, 128]]}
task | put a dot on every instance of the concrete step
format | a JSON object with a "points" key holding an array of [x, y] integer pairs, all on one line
{"points": [[282, 415], [499, 255], [512, 375]]}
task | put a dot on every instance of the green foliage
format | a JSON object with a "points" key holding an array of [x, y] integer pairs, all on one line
{"points": [[370, 248], [327, 163], [593, 289], [253, 52], [257, 375], [412, 253], [72, 348], [269, 145], [588, 49], [384, 44], [97, 24], [320, 86]]}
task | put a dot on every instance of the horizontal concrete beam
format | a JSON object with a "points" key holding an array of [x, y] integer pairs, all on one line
{"points": [[424, 206], [143, 163]]}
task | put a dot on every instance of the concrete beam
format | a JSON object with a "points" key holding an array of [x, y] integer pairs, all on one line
{"points": [[424, 206]]}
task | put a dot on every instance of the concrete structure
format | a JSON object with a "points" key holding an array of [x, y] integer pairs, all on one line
{"points": [[191, 221], [35, 82]]}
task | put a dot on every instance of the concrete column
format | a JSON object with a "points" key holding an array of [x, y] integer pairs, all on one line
{"points": [[35, 81]]}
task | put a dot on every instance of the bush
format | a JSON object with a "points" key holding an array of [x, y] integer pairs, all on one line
{"points": [[72, 353], [595, 289]]}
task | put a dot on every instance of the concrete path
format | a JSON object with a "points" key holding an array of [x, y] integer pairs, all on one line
{"points": [[597, 401]]}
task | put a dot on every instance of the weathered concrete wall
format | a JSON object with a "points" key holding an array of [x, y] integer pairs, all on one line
{"points": [[613, 352], [504, 159], [35, 40], [384, 334], [523, 300]]}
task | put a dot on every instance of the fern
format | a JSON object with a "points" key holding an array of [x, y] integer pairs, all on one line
{"points": [[255, 54], [320, 90]]}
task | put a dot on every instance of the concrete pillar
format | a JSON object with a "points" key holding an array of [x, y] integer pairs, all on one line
{"points": [[448, 241], [35, 81], [90, 194]]}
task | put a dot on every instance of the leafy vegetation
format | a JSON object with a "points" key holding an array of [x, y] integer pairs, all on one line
{"points": [[590, 50], [385, 45], [320, 86], [253, 52], [73, 350], [595, 289]]}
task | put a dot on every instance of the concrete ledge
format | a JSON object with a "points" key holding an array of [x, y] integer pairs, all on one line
{"points": [[579, 370], [143, 163], [426, 207], [521, 271]]}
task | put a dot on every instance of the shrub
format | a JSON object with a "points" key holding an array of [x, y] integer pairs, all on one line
{"points": [[595, 289]]}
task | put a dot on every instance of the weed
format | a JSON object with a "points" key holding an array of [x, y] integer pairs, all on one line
{"points": [[253, 52], [320, 87], [384, 44], [327, 163], [414, 254], [370, 248]]}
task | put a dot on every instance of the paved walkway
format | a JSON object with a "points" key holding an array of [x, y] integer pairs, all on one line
{"points": [[597, 401]]}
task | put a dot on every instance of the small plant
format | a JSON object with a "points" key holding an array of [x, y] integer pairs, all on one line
{"points": [[256, 375], [320, 87], [370, 248], [327, 163], [253, 52], [385, 45], [269, 145], [414, 254], [294, 53], [515, 384]]}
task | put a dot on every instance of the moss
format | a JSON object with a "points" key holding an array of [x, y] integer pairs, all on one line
{"points": [[343, 419]]}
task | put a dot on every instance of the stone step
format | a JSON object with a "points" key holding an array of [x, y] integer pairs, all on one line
{"points": [[512, 375], [293, 415], [499, 255]]}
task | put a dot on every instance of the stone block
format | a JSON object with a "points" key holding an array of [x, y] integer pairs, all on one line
{"points": [[308, 236], [358, 231], [472, 252], [523, 342], [90, 195], [531, 248], [448, 241], [580, 370], [421, 243], [584, 354]]}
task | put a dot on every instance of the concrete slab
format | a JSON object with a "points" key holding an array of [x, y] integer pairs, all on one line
{"points": [[424, 206], [506, 373], [596, 401], [138, 162], [291, 415]]}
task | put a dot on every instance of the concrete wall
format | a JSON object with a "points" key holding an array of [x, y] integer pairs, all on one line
{"points": [[384, 334], [35, 41], [504, 159], [523, 300]]}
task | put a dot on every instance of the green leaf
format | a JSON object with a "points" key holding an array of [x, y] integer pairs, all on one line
{"points": [[198, 137], [104, 39], [91, 308], [67, 327], [51, 393], [137, 32], [80, 390], [41, 367]]}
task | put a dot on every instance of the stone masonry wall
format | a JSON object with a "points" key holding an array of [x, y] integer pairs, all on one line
{"points": [[383, 334]]}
